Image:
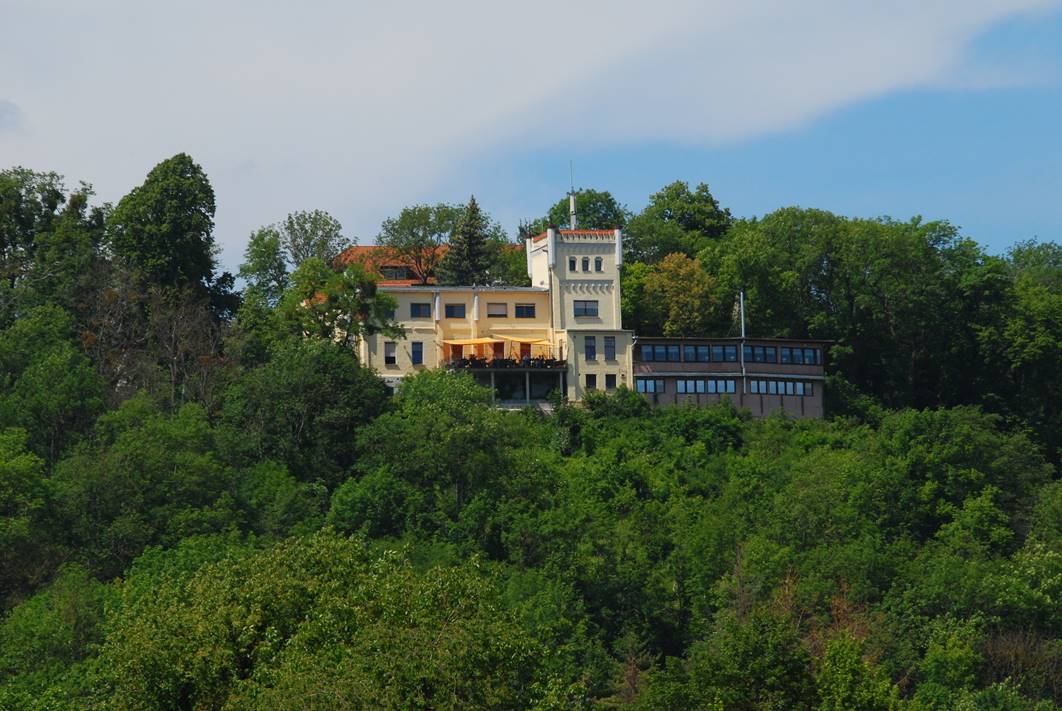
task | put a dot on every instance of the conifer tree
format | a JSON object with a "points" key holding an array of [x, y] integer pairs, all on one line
{"points": [[471, 254]]}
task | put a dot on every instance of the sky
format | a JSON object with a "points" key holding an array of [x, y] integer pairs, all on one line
{"points": [[948, 109]]}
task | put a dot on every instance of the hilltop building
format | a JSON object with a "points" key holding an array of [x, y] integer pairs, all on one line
{"points": [[565, 333]]}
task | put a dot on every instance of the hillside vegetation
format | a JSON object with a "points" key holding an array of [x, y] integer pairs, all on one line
{"points": [[206, 502]]}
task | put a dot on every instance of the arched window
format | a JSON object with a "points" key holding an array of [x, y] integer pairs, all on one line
{"points": [[599, 264], [586, 264]]}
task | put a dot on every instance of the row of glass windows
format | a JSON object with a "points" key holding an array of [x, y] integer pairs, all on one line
{"points": [[720, 386], [687, 386], [590, 347], [599, 264], [780, 387], [610, 381], [416, 352], [494, 310], [687, 353], [673, 353]]}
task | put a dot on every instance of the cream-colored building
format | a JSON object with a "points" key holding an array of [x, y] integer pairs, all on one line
{"points": [[564, 332]]}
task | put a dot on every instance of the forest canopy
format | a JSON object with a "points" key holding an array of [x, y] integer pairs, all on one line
{"points": [[208, 502]]}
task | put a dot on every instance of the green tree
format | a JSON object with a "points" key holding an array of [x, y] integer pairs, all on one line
{"points": [[676, 220], [265, 267], [341, 306], [594, 210], [315, 623], [24, 501], [304, 408], [311, 234], [145, 478], [472, 252], [418, 235], [164, 228], [678, 297]]}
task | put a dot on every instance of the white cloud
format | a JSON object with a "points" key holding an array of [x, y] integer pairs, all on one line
{"points": [[359, 109]]}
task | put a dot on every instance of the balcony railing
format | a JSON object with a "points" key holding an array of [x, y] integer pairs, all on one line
{"points": [[476, 362]]}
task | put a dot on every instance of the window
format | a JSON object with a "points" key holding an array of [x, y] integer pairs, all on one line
{"points": [[721, 387], [772, 387], [731, 353], [585, 308], [390, 353], [649, 385], [757, 354], [571, 264], [494, 310], [389, 314], [717, 354], [610, 348], [586, 264], [811, 356], [591, 382], [525, 311], [690, 386], [590, 347], [807, 389], [417, 352], [647, 353], [610, 381], [660, 353], [420, 310], [798, 356], [785, 354], [673, 353], [769, 354], [455, 311], [689, 353], [702, 354], [746, 353], [599, 264]]}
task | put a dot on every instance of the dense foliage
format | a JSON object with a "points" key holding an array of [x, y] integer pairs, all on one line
{"points": [[207, 504]]}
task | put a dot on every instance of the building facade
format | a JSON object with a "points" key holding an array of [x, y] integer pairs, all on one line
{"points": [[762, 375], [565, 333]]}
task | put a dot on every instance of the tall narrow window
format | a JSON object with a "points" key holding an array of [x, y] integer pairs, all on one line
{"points": [[416, 352], [647, 353], [390, 353], [586, 264], [610, 381], [591, 382], [571, 264], [590, 348], [610, 348], [599, 264]]}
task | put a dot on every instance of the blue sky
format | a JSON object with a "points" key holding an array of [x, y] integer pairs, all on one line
{"points": [[944, 108], [986, 158]]}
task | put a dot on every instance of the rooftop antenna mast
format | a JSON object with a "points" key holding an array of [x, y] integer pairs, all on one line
{"points": [[571, 195]]}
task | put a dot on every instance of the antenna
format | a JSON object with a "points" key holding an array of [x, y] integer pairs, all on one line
{"points": [[571, 195]]}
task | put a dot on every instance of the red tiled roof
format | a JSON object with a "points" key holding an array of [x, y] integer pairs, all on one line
{"points": [[375, 258]]}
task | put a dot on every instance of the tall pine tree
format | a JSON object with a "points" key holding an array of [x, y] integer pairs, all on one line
{"points": [[471, 253]]}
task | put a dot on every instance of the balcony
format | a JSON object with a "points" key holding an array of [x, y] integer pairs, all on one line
{"points": [[525, 363]]}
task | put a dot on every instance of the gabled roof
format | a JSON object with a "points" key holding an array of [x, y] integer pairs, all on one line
{"points": [[375, 258]]}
